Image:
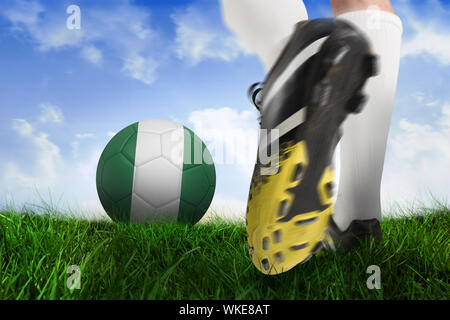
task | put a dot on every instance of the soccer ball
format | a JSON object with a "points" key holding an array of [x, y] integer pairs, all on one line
{"points": [[156, 170]]}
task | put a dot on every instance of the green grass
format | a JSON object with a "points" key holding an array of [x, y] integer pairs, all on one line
{"points": [[210, 261]]}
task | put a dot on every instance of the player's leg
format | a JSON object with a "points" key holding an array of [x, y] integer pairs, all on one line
{"points": [[344, 6], [263, 25], [363, 145]]}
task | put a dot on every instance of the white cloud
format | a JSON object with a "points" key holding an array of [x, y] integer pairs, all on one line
{"points": [[75, 148], [418, 96], [92, 54], [76, 144], [430, 31], [110, 134], [79, 184], [430, 41], [47, 176], [198, 37], [125, 29], [432, 103], [43, 174], [444, 121], [87, 169], [43, 165], [24, 14], [418, 161], [420, 140], [27, 17], [121, 28], [22, 127], [140, 68], [425, 99], [50, 114], [14, 178], [231, 136], [85, 136]]}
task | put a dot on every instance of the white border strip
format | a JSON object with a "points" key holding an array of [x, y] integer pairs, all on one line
{"points": [[300, 59]]}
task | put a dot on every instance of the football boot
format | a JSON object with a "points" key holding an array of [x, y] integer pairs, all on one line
{"points": [[315, 83]]}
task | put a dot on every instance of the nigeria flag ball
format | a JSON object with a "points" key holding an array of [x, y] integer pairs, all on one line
{"points": [[156, 170]]}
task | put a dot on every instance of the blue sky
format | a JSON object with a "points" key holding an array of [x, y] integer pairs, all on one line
{"points": [[63, 93]]}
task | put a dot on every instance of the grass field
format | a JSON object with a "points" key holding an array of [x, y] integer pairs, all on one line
{"points": [[210, 261]]}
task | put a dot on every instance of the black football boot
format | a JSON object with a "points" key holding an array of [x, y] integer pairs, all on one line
{"points": [[315, 83]]}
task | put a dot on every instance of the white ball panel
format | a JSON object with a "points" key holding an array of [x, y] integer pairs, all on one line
{"points": [[172, 144], [157, 182], [148, 147], [141, 211], [157, 126], [158, 171]]}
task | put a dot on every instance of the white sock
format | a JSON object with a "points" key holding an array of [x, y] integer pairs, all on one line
{"points": [[264, 26], [363, 145]]}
